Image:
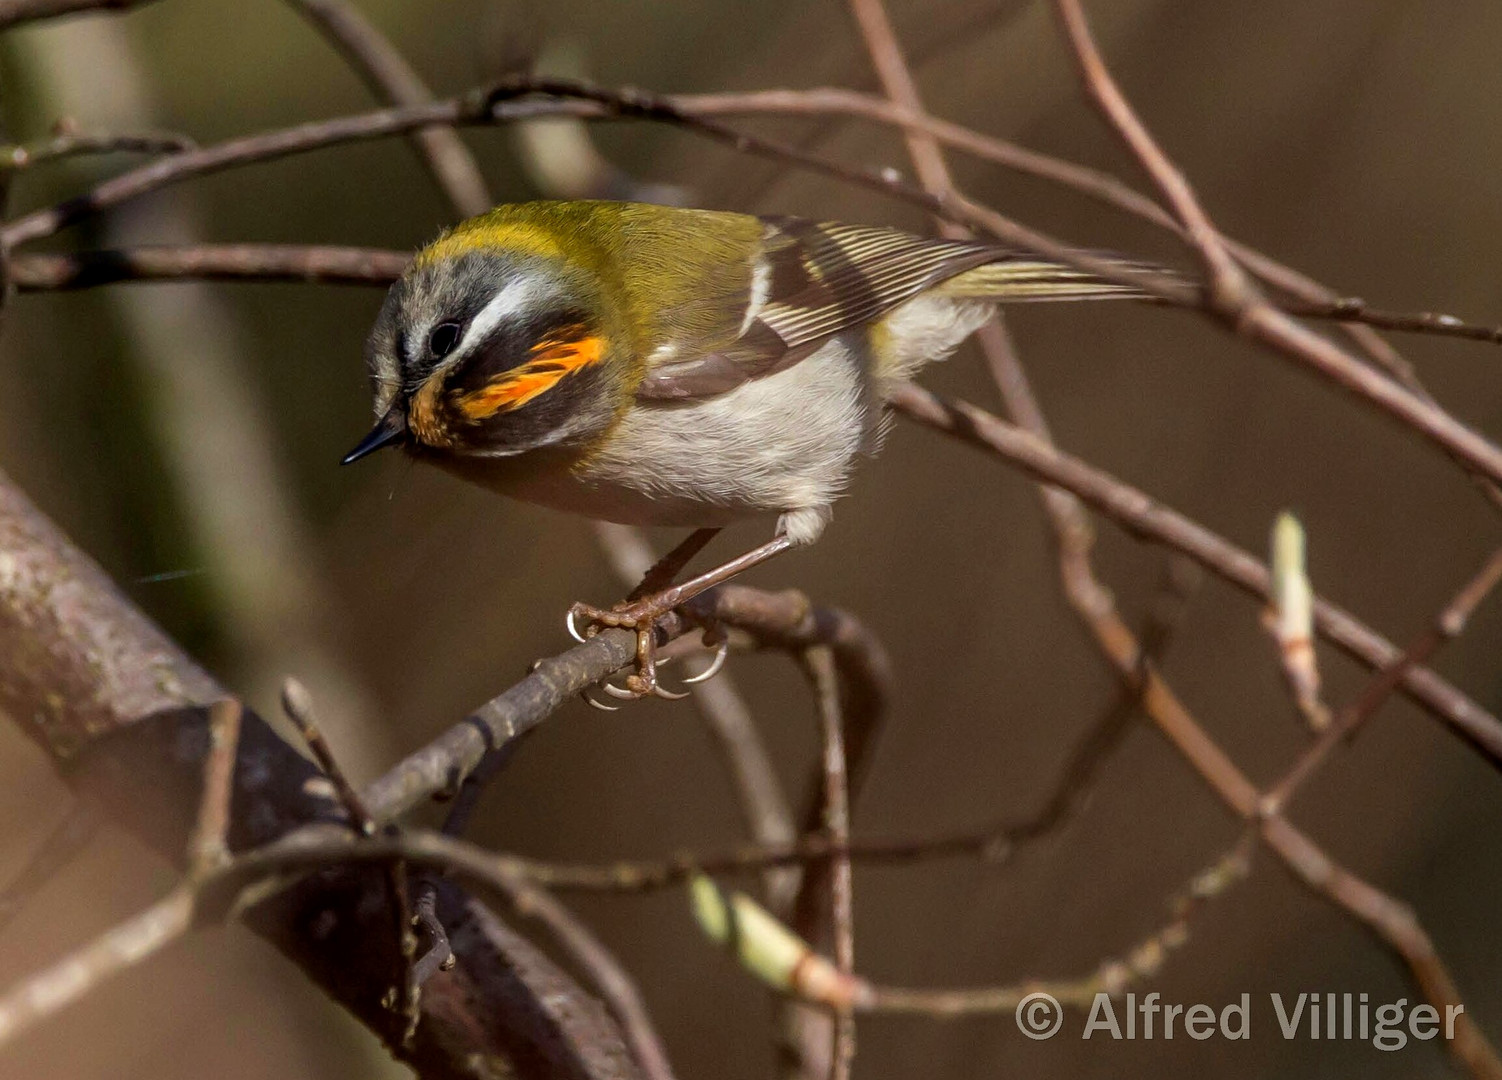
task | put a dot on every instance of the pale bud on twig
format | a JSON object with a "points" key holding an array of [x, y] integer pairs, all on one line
{"points": [[1291, 619], [768, 949]]}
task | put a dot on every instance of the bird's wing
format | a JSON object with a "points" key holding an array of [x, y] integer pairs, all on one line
{"points": [[814, 280]]}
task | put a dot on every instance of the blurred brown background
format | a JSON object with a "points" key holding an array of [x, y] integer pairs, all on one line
{"points": [[196, 428]]}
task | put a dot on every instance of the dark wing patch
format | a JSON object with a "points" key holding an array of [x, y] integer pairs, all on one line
{"points": [[827, 278], [821, 279]]}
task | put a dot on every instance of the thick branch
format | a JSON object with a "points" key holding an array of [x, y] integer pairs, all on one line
{"points": [[97, 685]]}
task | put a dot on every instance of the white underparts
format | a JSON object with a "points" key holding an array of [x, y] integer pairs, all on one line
{"points": [[925, 329]]}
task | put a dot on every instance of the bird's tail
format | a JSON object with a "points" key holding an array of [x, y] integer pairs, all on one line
{"points": [[1019, 278], [915, 335]]}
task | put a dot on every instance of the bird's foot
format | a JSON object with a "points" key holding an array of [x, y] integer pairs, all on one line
{"points": [[640, 616]]}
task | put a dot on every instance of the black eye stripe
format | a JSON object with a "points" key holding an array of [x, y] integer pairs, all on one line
{"points": [[512, 342]]}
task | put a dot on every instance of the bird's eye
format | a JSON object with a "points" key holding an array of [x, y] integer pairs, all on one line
{"points": [[443, 338]]}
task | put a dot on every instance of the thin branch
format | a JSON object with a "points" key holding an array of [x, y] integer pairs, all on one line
{"points": [[897, 82], [1447, 626], [498, 104], [1144, 517], [301, 263], [442, 765], [137, 938], [209, 846], [317, 847], [1225, 275], [297, 703], [1392, 921], [313, 849], [1112, 976], [1396, 926], [783, 620], [18, 12], [80, 824], [1311, 299], [267, 146], [132, 941], [1317, 301], [789, 621], [394, 81], [1233, 298], [76, 144]]}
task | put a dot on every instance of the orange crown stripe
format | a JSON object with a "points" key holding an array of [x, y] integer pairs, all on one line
{"points": [[513, 389]]}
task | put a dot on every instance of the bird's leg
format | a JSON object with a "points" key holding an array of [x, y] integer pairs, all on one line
{"points": [[661, 574], [641, 610]]}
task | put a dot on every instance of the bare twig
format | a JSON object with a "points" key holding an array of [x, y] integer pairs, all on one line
{"points": [[394, 81], [1390, 920], [1395, 925], [519, 879], [132, 941], [209, 846], [1233, 298], [1112, 976], [316, 847], [777, 620], [64, 842], [303, 263], [787, 620], [235, 152], [297, 703], [1447, 626], [1316, 301], [17, 12], [897, 82], [1142, 516], [1225, 275], [76, 144]]}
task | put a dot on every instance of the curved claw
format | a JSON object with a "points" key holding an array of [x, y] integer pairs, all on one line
{"points": [[667, 695], [618, 692], [593, 704], [721, 654], [573, 631]]}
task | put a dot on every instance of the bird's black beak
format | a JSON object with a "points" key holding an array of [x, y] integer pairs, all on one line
{"points": [[389, 429]]}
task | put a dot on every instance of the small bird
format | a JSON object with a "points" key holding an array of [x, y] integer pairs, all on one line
{"points": [[654, 365]]}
